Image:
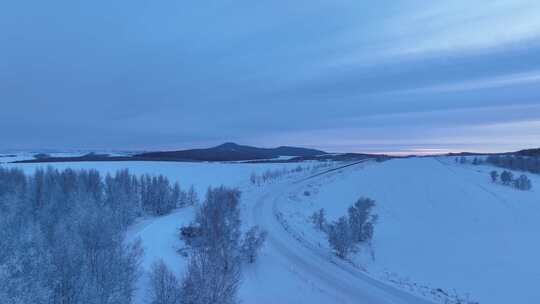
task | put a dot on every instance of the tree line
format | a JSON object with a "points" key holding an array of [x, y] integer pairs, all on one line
{"points": [[519, 163], [511, 162], [62, 233], [271, 175]]}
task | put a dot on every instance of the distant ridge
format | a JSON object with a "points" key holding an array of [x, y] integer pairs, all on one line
{"points": [[232, 152], [225, 152], [529, 152]]}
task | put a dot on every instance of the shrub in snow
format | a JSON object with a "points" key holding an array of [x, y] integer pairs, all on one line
{"points": [[340, 237], [252, 243], [319, 220], [523, 183], [359, 216], [494, 176], [507, 177], [164, 286], [253, 178], [347, 233]]}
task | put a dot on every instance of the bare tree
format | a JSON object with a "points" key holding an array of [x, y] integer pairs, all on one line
{"points": [[252, 243], [192, 197], [340, 237], [164, 286], [359, 215], [208, 282], [319, 219], [523, 183], [213, 273], [507, 177]]}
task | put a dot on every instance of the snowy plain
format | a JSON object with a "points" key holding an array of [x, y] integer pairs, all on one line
{"points": [[199, 174], [159, 236], [442, 227], [12, 156]]}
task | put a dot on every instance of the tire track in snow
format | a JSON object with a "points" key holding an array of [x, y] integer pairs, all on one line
{"points": [[345, 283]]}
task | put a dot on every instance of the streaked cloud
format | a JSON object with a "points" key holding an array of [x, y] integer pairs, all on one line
{"points": [[485, 83], [339, 74], [411, 29], [465, 25]]}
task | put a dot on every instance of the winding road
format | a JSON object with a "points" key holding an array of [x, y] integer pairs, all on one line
{"points": [[337, 281]]}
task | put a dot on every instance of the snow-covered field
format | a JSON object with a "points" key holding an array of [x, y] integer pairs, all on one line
{"points": [[7, 157], [159, 236], [441, 226], [200, 174]]}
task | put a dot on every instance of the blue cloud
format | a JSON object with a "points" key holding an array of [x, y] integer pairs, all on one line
{"points": [[139, 74]]}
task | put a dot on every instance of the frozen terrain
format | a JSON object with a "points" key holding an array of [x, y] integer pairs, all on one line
{"points": [[443, 228], [12, 156], [200, 174]]}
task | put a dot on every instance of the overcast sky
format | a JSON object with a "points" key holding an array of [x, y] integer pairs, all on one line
{"points": [[341, 75]]}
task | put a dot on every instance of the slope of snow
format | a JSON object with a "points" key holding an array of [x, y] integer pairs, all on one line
{"points": [[160, 241], [440, 224]]}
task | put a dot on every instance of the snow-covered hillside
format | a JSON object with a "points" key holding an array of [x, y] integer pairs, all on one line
{"points": [[441, 225], [443, 228]]}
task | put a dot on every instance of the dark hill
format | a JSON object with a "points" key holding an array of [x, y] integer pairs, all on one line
{"points": [[230, 152], [529, 152]]}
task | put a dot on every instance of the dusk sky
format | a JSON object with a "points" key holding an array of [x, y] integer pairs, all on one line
{"points": [[340, 75]]}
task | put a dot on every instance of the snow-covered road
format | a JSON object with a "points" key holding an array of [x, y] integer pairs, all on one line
{"points": [[330, 279]]}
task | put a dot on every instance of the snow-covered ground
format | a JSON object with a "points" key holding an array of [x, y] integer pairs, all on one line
{"points": [[443, 228], [441, 225], [160, 241], [200, 174], [7, 157], [159, 236]]}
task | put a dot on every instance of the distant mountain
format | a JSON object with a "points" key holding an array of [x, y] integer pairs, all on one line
{"points": [[529, 152], [230, 152]]}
